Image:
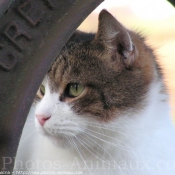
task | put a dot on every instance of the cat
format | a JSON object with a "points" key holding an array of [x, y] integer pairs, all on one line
{"points": [[101, 109]]}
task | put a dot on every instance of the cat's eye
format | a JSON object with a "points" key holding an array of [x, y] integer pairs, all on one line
{"points": [[42, 89], [75, 89]]}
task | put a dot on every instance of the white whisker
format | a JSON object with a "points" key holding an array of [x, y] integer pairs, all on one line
{"points": [[106, 127], [81, 142], [103, 160], [105, 136], [99, 124], [99, 153], [126, 148], [76, 147], [28, 136]]}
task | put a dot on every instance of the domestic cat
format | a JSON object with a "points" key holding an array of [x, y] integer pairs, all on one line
{"points": [[102, 109]]}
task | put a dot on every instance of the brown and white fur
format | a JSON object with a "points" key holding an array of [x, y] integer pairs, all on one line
{"points": [[119, 125]]}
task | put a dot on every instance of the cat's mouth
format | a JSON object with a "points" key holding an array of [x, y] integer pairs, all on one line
{"points": [[56, 133], [58, 139]]}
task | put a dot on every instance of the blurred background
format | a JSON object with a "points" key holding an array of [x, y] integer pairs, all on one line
{"points": [[156, 20]]}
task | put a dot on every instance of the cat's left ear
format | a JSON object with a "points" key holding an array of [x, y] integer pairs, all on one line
{"points": [[115, 37]]}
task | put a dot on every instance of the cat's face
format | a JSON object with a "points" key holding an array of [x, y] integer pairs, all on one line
{"points": [[54, 118], [95, 80]]}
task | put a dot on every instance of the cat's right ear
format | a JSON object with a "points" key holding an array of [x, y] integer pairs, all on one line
{"points": [[115, 37]]}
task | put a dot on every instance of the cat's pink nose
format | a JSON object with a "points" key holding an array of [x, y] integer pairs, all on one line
{"points": [[42, 119]]}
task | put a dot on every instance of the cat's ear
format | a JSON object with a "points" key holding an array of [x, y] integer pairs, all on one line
{"points": [[115, 37]]}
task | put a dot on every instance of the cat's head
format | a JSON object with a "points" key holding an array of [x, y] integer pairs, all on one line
{"points": [[96, 79]]}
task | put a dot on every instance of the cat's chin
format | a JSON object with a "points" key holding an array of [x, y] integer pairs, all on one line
{"points": [[58, 141]]}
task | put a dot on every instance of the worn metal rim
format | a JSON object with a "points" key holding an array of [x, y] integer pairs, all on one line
{"points": [[32, 33]]}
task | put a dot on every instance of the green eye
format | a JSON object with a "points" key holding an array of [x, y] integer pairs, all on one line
{"points": [[42, 89], [75, 89]]}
